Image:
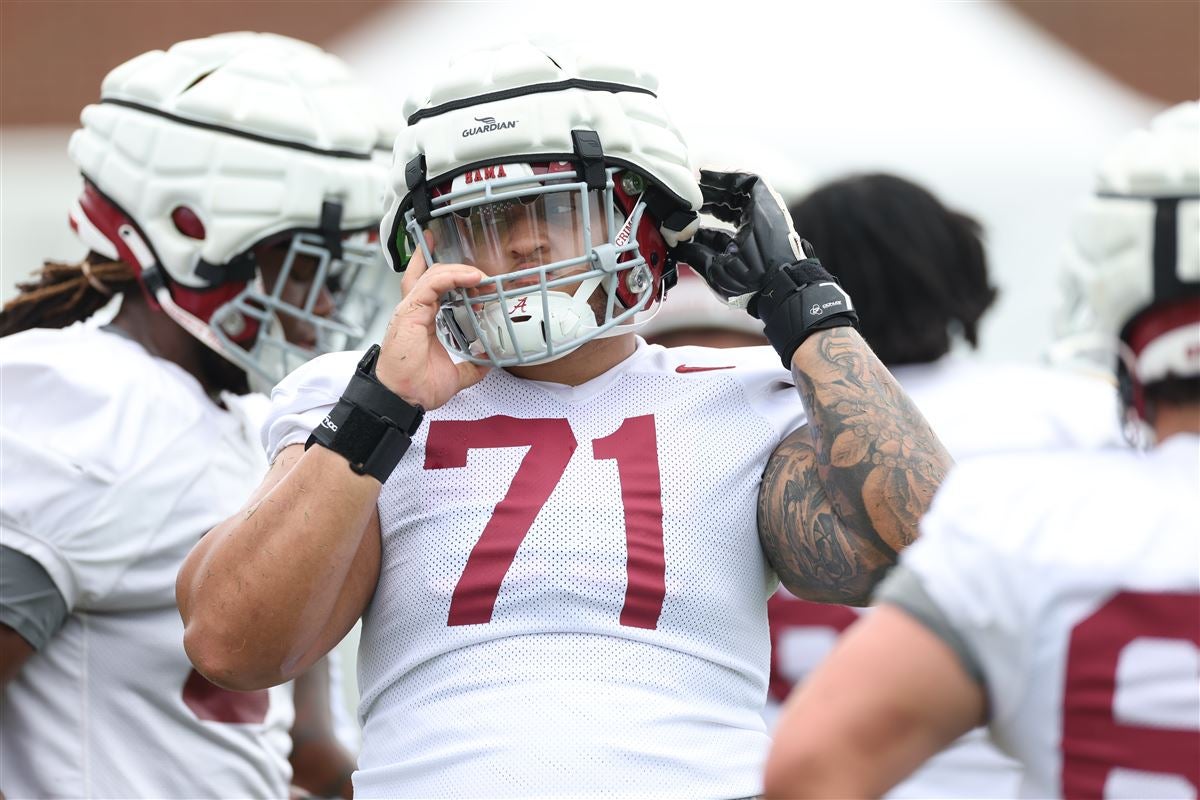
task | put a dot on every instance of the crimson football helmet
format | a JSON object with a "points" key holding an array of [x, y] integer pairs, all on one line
{"points": [[1131, 270]]}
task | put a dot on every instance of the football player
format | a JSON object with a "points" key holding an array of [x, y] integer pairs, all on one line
{"points": [[1054, 595], [561, 539], [229, 193], [918, 271]]}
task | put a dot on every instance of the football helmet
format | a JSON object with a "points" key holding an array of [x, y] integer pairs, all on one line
{"points": [[200, 159], [560, 176], [1131, 269]]}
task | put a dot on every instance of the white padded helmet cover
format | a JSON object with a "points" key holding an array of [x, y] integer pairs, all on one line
{"points": [[1108, 273], [161, 155], [633, 126]]}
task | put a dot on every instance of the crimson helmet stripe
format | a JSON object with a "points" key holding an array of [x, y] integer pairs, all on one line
{"points": [[107, 218], [1161, 319]]}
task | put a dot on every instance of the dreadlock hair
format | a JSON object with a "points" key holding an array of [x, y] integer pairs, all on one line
{"points": [[62, 294], [916, 270]]}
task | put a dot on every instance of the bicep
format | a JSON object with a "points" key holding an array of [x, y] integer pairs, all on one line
{"points": [[814, 552], [891, 695]]}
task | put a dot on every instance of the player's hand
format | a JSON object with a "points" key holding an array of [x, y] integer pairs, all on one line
{"points": [[764, 266], [412, 362], [738, 266]]}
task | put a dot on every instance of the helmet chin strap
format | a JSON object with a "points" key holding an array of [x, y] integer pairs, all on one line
{"points": [[642, 318], [1137, 428], [1107, 358], [89, 234], [152, 275]]}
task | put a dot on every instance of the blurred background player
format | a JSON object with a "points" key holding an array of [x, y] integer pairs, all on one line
{"points": [[920, 275], [542, 571], [1054, 594], [229, 195], [922, 272], [803, 632]]}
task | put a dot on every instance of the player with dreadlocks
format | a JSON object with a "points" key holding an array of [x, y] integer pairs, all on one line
{"points": [[229, 191]]}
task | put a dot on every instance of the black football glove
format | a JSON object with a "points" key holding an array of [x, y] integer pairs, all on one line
{"points": [[764, 266]]}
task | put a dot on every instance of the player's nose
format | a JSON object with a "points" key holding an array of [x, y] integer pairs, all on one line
{"points": [[526, 243]]}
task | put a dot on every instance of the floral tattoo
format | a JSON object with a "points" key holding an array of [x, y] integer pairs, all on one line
{"points": [[842, 495]]}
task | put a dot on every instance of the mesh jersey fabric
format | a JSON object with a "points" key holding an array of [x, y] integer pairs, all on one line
{"points": [[115, 464], [1073, 578], [556, 670], [976, 409]]}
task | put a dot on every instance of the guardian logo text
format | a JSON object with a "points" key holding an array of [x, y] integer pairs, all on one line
{"points": [[487, 125]]}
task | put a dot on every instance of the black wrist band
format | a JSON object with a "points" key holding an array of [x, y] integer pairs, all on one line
{"points": [[370, 426], [799, 300]]}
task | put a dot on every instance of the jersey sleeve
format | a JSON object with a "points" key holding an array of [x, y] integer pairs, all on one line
{"points": [[30, 603], [301, 400], [97, 452], [771, 390]]}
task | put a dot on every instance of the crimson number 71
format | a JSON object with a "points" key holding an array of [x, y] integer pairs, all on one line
{"points": [[551, 443]]}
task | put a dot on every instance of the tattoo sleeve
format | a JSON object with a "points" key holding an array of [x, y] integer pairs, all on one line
{"points": [[842, 495]]}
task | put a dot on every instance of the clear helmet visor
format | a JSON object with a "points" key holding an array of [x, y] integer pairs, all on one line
{"points": [[300, 305], [554, 253], [531, 231]]}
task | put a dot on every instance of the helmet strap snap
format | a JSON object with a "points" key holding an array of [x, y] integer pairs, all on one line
{"points": [[590, 154]]}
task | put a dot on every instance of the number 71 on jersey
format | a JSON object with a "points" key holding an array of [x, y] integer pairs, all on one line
{"points": [[551, 443]]}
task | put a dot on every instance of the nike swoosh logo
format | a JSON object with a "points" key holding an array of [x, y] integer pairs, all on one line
{"points": [[683, 368]]}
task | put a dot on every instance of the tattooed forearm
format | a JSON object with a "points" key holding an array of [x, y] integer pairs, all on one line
{"points": [[842, 495]]}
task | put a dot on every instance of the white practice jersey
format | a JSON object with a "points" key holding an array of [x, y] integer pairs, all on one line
{"points": [[976, 409], [1073, 580], [572, 600], [114, 465]]}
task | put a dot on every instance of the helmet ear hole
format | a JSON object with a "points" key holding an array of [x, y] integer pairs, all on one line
{"points": [[187, 222]]}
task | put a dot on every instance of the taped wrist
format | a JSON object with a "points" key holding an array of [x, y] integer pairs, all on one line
{"points": [[799, 300], [371, 427]]}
